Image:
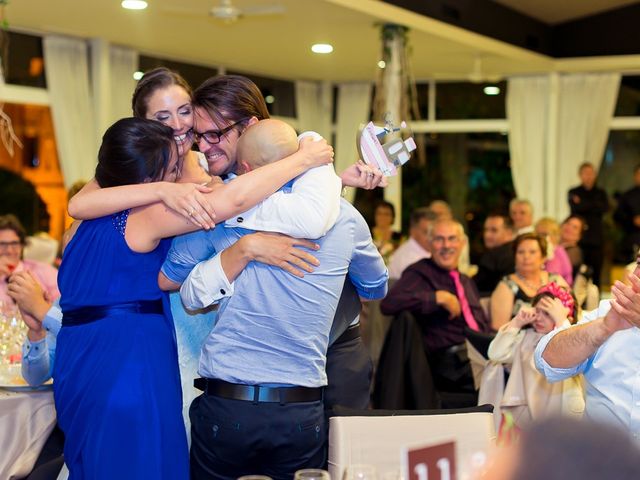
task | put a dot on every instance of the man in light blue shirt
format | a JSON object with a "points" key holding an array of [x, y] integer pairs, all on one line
{"points": [[264, 361], [604, 348]]}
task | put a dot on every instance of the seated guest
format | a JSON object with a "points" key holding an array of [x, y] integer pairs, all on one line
{"points": [[416, 247], [521, 213], [557, 258], [384, 236], [570, 236], [12, 242], [497, 260], [527, 395], [517, 290], [444, 302]]}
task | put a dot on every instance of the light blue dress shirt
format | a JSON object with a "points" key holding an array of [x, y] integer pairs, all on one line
{"points": [[275, 328], [612, 374], [38, 357]]}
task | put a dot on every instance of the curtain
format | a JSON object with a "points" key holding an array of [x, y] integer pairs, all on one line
{"points": [[123, 62], [354, 107], [314, 107], [67, 76], [527, 112], [586, 107]]}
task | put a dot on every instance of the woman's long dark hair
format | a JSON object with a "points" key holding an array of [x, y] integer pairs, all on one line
{"points": [[134, 150]]}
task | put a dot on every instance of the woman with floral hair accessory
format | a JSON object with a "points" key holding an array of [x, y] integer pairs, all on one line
{"points": [[527, 395]]}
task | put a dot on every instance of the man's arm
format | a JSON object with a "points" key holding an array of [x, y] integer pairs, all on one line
{"points": [[574, 345], [411, 293], [309, 210], [185, 253], [565, 353]]}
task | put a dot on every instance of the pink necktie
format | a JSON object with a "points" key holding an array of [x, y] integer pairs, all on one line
{"points": [[464, 305]]}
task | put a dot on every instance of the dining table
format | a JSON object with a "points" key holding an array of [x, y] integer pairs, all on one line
{"points": [[27, 417]]}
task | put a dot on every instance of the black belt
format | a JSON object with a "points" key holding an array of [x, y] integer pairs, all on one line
{"points": [[257, 393], [83, 315], [349, 334]]}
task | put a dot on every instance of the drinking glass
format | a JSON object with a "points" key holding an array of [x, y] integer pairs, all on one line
{"points": [[360, 472], [254, 477], [311, 474]]}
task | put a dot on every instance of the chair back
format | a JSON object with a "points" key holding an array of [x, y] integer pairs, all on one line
{"points": [[379, 440]]}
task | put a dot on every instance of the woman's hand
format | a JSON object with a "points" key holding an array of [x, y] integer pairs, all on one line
{"points": [[361, 175], [281, 251], [315, 152], [187, 200]]}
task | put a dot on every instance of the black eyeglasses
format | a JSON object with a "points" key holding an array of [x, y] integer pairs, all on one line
{"points": [[213, 137]]}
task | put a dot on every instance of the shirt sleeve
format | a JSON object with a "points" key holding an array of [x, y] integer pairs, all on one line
{"points": [[503, 345], [38, 357], [367, 270], [554, 374], [309, 210], [411, 293], [205, 285], [185, 253]]}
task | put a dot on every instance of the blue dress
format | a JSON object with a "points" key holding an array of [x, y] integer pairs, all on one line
{"points": [[116, 379]]}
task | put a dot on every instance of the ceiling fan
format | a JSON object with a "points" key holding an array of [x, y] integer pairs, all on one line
{"points": [[228, 12]]}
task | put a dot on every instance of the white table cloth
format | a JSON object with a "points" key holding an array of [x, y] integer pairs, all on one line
{"points": [[26, 420]]}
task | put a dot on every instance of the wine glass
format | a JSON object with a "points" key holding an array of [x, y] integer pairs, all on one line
{"points": [[360, 472], [311, 474]]}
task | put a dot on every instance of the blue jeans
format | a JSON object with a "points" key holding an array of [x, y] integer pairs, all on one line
{"points": [[230, 438]]}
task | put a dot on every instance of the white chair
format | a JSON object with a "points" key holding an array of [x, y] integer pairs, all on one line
{"points": [[379, 440]]}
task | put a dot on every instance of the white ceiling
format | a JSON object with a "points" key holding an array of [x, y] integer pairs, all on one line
{"points": [[279, 45]]}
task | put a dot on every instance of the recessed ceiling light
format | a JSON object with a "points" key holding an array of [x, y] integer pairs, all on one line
{"points": [[322, 48], [491, 90], [138, 75], [382, 64], [269, 99], [134, 4]]}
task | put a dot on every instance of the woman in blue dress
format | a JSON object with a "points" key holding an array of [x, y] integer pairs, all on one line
{"points": [[116, 380]]}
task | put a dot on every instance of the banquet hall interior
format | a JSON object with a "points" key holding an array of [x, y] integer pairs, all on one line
{"points": [[506, 101]]}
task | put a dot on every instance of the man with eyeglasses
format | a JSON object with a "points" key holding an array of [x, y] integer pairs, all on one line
{"points": [[12, 241], [603, 347], [444, 303]]}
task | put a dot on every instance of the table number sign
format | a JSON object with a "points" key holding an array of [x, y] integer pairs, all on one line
{"points": [[435, 462]]}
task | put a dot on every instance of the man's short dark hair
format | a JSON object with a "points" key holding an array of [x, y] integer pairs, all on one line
{"points": [[506, 219], [419, 214]]}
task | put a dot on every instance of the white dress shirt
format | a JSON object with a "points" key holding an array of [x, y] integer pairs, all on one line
{"points": [[406, 254]]}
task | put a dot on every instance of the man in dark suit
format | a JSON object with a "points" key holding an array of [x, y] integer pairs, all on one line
{"points": [[591, 203], [627, 215], [498, 258]]}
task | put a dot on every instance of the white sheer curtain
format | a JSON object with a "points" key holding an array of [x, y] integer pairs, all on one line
{"points": [[586, 106], [314, 107], [354, 106], [123, 62], [527, 112], [73, 119]]}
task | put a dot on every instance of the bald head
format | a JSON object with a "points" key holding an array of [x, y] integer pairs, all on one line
{"points": [[265, 142]]}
